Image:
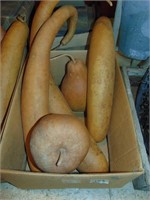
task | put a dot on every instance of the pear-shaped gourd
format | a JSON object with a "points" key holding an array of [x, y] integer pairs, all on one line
{"points": [[74, 85]]}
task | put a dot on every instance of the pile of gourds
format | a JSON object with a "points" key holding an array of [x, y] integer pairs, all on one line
{"points": [[56, 140]]}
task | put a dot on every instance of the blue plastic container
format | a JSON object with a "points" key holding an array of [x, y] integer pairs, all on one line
{"points": [[134, 35]]}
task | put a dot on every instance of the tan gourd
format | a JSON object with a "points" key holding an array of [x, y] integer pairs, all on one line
{"points": [[101, 76], [35, 99], [74, 85], [58, 143], [42, 13], [12, 51]]}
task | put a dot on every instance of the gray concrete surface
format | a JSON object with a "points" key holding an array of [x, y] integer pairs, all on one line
{"points": [[9, 192]]}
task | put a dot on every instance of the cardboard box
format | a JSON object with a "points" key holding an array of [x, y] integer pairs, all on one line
{"points": [[122, 147]]}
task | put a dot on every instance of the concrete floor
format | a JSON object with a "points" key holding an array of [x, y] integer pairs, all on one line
{"points": [[9, 192]]}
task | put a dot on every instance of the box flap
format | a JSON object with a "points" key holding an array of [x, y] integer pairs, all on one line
{"points": [[123, 147], [30, 180]]}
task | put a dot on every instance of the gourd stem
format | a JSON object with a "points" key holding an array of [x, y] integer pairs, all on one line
{"points": [[62, 55]]}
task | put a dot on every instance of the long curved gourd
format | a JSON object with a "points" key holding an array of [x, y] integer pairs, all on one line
{"points": [[35, 89], [42, 13]]}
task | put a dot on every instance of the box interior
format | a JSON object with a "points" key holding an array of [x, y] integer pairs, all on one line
{"points": [[120, 147]]}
